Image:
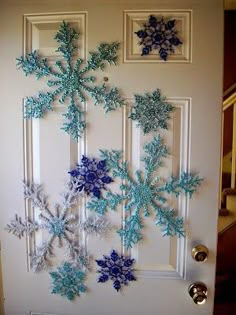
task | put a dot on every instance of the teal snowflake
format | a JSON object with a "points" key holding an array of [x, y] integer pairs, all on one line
{"points": [[151, 111], [145, 192], [68, 281], [70, 81]]}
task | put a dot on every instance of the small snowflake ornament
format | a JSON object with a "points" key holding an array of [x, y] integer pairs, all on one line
{"points": [[116, 268], [91, 176], [159, 34], [151, 111], [70, 81], [68, 281], [59, 224], [144, 191]]}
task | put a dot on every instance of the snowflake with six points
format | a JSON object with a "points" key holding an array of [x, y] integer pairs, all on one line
{"points": [[60, 226], [70, 81], [117, 268], [91, 176], [145, 192], [160, 35], [68, 281], [151, 111]]}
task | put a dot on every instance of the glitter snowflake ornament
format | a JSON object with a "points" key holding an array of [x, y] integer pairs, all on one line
{"points": [[59, 224], [159, 34], [95, 225], [70, 81], [143, 192], [91, 176], [68, 281], [116, 268], [151, 111]]}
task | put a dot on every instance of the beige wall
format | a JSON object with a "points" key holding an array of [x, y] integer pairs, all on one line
{"points": [[1, 289]]}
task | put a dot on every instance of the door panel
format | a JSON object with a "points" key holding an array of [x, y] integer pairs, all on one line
{"points": [[37, 150]]}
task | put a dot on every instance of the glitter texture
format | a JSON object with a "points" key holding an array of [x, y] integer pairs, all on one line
{"points": [[68, 281], [144, 192], [158, 34], [91, 176], [151, 111], [116, 268], [70, 81], [60, 225], [96, 225]]}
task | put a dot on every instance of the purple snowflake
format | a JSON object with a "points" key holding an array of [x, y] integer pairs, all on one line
{"points": [[91, 176], [160, 35], [116, 268]]}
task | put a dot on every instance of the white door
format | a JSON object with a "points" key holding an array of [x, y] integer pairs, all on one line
{"points": [[38, 151]]}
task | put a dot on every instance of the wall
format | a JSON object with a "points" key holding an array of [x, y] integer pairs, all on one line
{"points": [[1, 289]]}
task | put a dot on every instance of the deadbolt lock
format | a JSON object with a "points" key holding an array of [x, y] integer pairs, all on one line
{"points": [[198, 292], [200, 253]]}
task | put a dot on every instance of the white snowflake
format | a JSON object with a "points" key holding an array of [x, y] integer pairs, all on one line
{"points": [[60, 225]]}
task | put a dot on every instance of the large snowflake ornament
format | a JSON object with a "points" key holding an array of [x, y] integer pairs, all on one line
{"points": [[60, 225], [145, 192], [95, 225], [151, 111], [71, 81], [91, 176], [68, 281], [117, 268], [158, 34]]}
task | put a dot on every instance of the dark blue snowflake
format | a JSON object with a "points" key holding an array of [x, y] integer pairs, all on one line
{"points": [[117, 268], [91, 176], [160, 35]]}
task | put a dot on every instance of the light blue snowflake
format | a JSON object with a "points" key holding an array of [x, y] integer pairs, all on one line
{"points": [[68, 281], [145, 192], [151, 111], [70, 81]]}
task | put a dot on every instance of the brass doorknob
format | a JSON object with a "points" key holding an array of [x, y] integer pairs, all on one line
{"points": [[198, 292], [200, 253]]}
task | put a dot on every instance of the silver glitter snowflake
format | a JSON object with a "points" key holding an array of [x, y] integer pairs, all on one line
{"points": [[145, 192], [95, 225], [59, 224], [70, 81], [151, 111]]}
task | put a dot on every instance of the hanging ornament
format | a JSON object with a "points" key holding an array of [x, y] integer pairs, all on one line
{"points": [[91, 176], [151, 111], [96, 225], [117, 268], [144, 191], [159, 34], [70, 81], [68, 281], [60, 225]]}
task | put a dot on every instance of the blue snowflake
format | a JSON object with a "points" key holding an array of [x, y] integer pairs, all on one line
{"points": [[160, 35], [144, 192], [117, 268], [70, 81], [68, 281], [91, 176], [151, 111]]}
